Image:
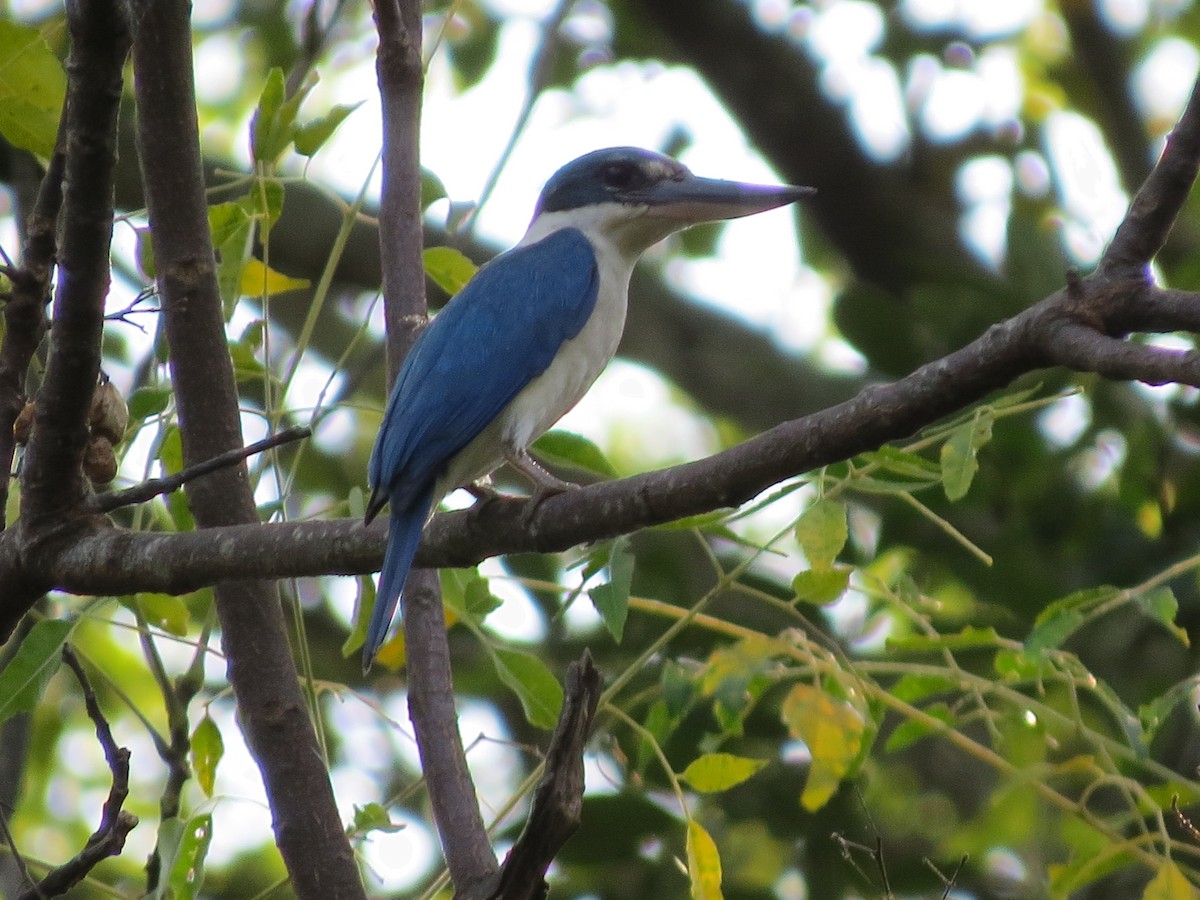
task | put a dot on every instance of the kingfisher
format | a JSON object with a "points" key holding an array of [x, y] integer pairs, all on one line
{"points": [[522, 342]]}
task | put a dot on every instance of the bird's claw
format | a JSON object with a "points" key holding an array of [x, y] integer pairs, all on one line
{"points": [[540, 496]]}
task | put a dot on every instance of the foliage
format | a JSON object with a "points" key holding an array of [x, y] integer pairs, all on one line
{"points": [[975, 645]]}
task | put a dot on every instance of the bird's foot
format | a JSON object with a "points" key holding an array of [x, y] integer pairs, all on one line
{"points": [[540, 496], [545, 484]]}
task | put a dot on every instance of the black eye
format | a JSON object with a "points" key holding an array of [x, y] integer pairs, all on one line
{"points": [[620, 176]]}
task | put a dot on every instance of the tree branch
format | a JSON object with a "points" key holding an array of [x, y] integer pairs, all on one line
{"points": [[1157, 203], [53, 486], [113, 561], [465, 844], [25, 321], [558, 797], [271, 708], [155, 487], [115, 823]]}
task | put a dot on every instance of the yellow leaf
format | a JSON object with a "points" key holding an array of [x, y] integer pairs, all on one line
{"points": [[742, 660], [704, 863], [1170, 884], [258, 280], [715, 772], [833, 731], [393, 654]]}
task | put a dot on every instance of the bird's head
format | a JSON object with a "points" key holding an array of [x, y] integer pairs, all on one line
{"points": [[635, 198]]}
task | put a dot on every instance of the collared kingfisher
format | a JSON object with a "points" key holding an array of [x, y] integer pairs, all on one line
{"points": [[524, 340]]}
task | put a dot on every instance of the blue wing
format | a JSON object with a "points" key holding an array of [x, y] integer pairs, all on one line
{"points": [[498, 333]]}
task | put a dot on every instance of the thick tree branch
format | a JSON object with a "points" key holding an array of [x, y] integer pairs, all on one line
{"points": [[401, 78], [114, 561], [465, 844], [53, 486], [25, 321], [271, 708]]}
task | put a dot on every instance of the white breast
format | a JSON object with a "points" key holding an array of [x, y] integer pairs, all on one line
{"points": [[573, 370]]}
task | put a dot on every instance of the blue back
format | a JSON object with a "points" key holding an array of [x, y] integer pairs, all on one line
{"points": [[495, 336]]}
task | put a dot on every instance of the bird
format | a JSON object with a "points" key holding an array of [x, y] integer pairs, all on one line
{"points": [[523, 341]]}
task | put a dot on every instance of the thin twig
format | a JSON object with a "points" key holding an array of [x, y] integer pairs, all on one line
{"points": [[1152, 213], [115, 823], [15, 852], [154, 487]]}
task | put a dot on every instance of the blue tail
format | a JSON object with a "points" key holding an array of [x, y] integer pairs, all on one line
{"points": [[404, 534]]}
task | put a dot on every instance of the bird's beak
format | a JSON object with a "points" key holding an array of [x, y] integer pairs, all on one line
{"points": [[692, 199]]}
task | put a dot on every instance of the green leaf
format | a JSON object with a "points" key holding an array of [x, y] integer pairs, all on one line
{"points": [[969, 637], [612, 598], [822, 533], [1079, 601], [660, 723], [207, 749], [24, 678], [363, 607], [143, 254], [432, 189], [32, 88], [373, 817], [1049, 633], [466, 594], [905, 464], [273, 125], [715, 772], [821, 587], [568, 449], [1153, 714], [1091, 856], [312, 135], [187, 870], [833, 731], [448, 268], [165, 611], [170, 450], [960, 452], [538, 690], [230, 226], [1161, 606], [149, 401], [1016, 665], [227, 220], [246, 366], [913, 687], [1170, 884], [912, 730], [166, 848], [264, 202], [704, 863]]}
